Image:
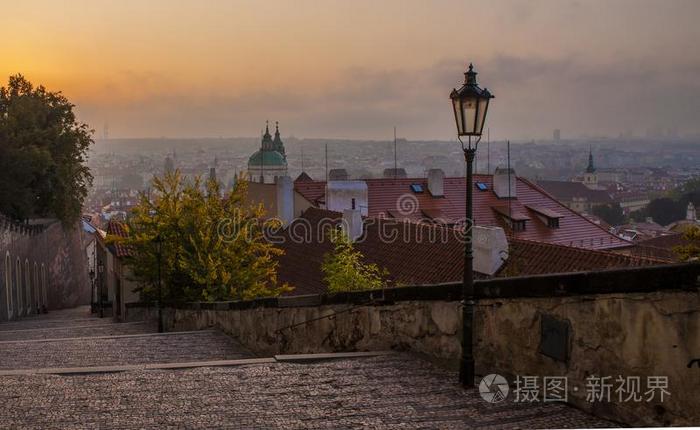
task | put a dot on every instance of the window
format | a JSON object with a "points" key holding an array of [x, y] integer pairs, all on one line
{"points": [[27, 287], [553, 222], [43, 286], [417, 188], [481, 186], [518, 225], [8, 283], [35, 291], [18, 285]]}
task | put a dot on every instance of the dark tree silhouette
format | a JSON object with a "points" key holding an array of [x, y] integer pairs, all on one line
{"points": [[612, 213], [43, 149]]}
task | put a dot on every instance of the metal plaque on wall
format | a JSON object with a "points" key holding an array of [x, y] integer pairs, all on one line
{"points": [[554, 338]]}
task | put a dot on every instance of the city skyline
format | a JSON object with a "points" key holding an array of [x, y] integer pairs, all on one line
{"points": [[179, 69]]}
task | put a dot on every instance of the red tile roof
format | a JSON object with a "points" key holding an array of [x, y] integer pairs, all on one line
{"points": [[116, 228], [385, 194], [423, 253], [662, 247]]}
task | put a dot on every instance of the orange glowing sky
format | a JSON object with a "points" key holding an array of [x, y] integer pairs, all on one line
{"points": [[357, 68]]}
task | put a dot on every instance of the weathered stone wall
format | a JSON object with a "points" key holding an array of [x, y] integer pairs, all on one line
{"points": [[425, 327], [647, 333], [51, 273], [630, 335]]}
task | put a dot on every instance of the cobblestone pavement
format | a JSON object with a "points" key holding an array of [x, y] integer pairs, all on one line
{"points": [[387, 392], [79, 330]]}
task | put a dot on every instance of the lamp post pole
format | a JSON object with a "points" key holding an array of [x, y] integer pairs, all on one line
{"points": [[470, 104], [159, 307], [100, 271], [466, 367]]}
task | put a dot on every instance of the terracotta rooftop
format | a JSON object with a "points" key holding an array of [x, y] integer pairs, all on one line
{"points": [[424, 253], [661, 247], [385, 194], [116, 228]]}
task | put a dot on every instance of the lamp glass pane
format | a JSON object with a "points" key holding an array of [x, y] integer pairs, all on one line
{"points": [[483, 105], [458, 114], [469, 109]]}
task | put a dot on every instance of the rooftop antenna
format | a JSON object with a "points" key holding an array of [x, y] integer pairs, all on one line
{"points": [[326, 162], [395, 163], [262, 156], [302, 156], [105, 131], [510, 214], [488, 151]]}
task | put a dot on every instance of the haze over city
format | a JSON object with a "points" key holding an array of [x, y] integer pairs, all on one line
{"points": [[342, 69]]}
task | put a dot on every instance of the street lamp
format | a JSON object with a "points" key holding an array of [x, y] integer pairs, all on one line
{"points": [[158, 240], [93, 293], [470, 104], [100, 271]]}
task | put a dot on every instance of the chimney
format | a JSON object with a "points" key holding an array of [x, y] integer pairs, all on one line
{"points": [[436, 179], [352, 224], [502, 177], [490, 249], [691, 214], [285, 199], [340, 196]]}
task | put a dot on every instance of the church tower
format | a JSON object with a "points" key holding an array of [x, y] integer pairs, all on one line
{"points": [[270, 162], [590, 178]]}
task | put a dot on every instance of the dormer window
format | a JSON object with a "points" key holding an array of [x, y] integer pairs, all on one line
{"points": [[513, 217], [518, 225], [547, 216]]}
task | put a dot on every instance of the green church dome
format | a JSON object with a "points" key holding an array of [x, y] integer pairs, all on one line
{"points": [[266, 158]]}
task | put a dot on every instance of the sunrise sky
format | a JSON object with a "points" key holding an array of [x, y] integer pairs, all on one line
{"points": [[354, 69]]}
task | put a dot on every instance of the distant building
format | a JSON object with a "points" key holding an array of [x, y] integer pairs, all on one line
{"points": [[556, 135], [395, 173], [590, 177], [338, 175], [168, 165], [691, 220], [270, 162]]}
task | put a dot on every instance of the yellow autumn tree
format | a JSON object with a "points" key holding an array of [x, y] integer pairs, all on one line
{"points": [[345, 270], [212, 245], [690, 251]]}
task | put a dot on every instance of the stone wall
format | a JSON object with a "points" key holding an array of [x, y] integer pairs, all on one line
{"points": [[628, 335], [632, 322], [42, 267]]}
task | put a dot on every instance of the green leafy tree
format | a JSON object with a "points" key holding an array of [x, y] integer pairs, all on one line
{"points": [[691, 251], [344, 269], [213, 248], [612, 213], [663, 210], [43, 149]]}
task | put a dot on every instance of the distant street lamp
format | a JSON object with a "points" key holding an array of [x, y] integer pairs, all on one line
{"points": [[100, 271], [159, 251], [470, 104], [93, 293]]}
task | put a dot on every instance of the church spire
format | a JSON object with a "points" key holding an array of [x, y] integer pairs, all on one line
{"points": [[590, 168], [277, 143]]}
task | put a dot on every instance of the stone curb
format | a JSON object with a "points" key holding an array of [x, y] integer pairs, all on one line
{"points": [[72, 327], [119, 336], [296, 358], [310, 358]]}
